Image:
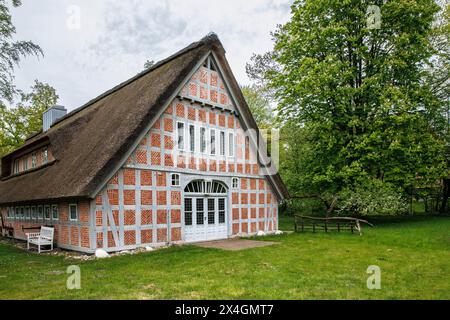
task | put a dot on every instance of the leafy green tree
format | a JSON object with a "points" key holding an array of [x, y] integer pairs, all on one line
{"points": [[21, 121], [359, 99], [11, 51], [259, 106]]}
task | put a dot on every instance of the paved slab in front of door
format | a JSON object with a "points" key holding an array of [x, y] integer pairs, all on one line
{"points": [[234, 244]]}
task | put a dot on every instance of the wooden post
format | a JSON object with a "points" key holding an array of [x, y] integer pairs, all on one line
{"points": [[314, 227], [338, 227], [326, 228]]}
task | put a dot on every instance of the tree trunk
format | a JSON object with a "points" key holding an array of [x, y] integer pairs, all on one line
{"points": [[445, 196]]}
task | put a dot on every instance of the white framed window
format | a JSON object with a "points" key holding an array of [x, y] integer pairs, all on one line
{"points": [[22, 213], [212, 141], [16, 166], [73, 212], [222, 143], [231, 144], [203, 140], [45, 156], [27, 213], [40, 211], [33, 160], [17, 213], [25, 164], [175, 180], [191, 138], [180, 134], [47, 212], [55, 212], [235, 183], [33, 213], [8, 212]]}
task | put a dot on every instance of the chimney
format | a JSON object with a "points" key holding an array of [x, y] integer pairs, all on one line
{"points": [[51, 115]]}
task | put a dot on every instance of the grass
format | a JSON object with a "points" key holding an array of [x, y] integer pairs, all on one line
{"points": [[413, 255]]}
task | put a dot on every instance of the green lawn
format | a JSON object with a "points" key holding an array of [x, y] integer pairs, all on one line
{"points": [[413, 256]]}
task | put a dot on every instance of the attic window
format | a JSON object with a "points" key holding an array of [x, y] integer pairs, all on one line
{"points": [[45, 156]]}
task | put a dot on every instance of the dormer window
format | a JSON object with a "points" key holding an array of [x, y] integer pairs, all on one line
{"points": [[33, 160], [44, 156], [16, 166]]}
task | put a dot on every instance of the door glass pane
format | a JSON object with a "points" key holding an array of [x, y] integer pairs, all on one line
{"points": [[221, 210], [200, 212], [211, 211], [188, 211]]}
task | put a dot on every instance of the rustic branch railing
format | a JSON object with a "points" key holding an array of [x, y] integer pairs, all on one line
{"points": [[304, 223]]}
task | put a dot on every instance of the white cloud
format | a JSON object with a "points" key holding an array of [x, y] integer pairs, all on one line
{"points": [[116, 38]]}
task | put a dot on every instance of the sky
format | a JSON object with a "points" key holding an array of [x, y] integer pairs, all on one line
{"points": [[91, 46]]}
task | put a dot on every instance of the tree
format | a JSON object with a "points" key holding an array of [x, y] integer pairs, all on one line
{"points": [[148, 64], [359, 98], [19, 122], [11, 51], [259, 106]]}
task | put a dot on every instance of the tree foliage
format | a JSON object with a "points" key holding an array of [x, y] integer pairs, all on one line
{"points": [[360, 104], [11, 51], [259, 106], [25, 118]]}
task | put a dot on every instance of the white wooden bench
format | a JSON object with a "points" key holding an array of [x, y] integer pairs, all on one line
{"points": [[43, 238]]}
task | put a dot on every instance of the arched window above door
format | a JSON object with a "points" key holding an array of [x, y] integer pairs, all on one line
{"points": [[206, 187]]}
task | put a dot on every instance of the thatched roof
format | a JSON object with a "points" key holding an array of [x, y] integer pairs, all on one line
{"points": [[89, 144]]}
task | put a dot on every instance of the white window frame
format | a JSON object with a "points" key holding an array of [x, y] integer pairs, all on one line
{"points": [[203, 140], [191, 137], [27, 213], [33, 212], [231, 143], [175, 177], [222, 143], [22, 213], [25, 163], [17, 213], [45, 156], [183, 145], [70, 211], [40, 213], [57, 212], [16, 166], [33, 160], [233, 180], [49, 212], [212, 146]]}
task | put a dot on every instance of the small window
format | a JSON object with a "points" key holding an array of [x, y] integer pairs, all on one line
{"points": [[22, 213], [17, 213], [27, 213], [235, 183], [203, 140], [175, 179], [231, 144], [73, 210], [25, 164], [180, 132], [191, 138], [55, 212], [40, 210], [33, 213], [16, 166], [33, 160], [45, 156], [222, 143], [213, 141], [8, 212], [47, 212]]}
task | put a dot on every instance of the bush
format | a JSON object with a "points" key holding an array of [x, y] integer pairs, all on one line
{"points": [[371, 197]]}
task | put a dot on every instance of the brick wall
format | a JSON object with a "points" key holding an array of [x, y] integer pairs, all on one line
{"points": [[68, 234]]}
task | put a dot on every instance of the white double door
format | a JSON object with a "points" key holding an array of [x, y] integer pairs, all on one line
{"points": [[205, 218]]}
